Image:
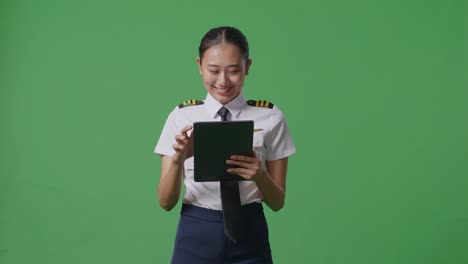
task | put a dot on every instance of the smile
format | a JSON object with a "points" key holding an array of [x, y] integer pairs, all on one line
{"points": [[222, 90]]}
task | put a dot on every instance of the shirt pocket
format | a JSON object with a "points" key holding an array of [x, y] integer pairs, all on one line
{"points": [[259, 146]]}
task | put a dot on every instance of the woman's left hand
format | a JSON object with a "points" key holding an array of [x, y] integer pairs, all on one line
{"points": [[250, 168]]}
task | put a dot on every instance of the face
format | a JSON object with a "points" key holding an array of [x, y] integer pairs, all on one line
{"points": [[223, 69]]}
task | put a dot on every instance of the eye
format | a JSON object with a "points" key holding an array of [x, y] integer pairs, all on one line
{"points": [[233, 72], [213, 72]]}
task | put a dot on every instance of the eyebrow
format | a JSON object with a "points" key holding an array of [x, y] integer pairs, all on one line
{"points": [[232, 65]]}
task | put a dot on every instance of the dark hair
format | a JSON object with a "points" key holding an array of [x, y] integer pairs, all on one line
{"points": [[220, 35]]}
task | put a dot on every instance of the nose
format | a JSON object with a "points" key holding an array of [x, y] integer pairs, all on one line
{"points": [[223, 79]]}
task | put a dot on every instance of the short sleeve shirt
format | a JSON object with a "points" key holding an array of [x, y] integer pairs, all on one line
{"points": [[272, 141]]}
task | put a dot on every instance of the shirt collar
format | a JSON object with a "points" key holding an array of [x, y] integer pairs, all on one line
{"points": [[235, 106]]}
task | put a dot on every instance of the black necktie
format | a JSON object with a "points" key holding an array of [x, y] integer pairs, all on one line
{"points": [[230, 199]]}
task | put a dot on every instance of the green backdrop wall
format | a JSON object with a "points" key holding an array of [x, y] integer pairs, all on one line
{"points": [[374, 92]]}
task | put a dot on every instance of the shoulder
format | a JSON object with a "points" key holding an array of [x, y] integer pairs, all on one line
{"points": [[264, 106], [191, 102], [186, 108], [261, 103], [267, 109]]}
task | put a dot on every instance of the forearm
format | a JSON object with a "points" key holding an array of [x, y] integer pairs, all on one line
{"points": [[273, 194], [170, 183], [271, 181]]}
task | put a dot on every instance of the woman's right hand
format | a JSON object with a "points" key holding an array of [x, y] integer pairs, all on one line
{"points": [[170, 181], [184, 145]]}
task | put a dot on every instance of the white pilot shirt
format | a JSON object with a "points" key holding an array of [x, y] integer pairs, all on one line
{"points": [[272, 143]]}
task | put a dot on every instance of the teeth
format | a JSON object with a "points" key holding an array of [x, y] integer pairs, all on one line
{"points": [[223, 90]]}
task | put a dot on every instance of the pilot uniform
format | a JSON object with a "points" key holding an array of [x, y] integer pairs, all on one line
{"points": [[200, 236]]}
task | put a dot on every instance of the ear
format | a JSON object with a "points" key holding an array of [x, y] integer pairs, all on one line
{"points": [[199, 65], [247, 66]]}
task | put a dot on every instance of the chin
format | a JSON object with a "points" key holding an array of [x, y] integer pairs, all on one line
{"points": [[223, 100]]}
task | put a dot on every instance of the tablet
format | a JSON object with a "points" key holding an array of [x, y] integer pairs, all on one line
{"points": [[214, 143]]}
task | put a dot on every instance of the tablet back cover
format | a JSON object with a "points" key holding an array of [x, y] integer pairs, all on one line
{"points": [[214, 143]]}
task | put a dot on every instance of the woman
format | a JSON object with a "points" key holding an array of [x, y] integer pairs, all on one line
{"points": [[213, 228]]}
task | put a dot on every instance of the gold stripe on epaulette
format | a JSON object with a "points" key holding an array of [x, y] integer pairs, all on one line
{"points": [[260, 103], [191, 102]]}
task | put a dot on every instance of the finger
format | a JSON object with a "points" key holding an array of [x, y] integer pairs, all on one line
{"points": [[181, 139], [244, 158], [191, 134], [254, 154], [177, 147], [241, 164], [185, 129], [244, 173]]}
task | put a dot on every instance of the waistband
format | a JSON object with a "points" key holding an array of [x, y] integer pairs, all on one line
{"points": [[217, 215]]}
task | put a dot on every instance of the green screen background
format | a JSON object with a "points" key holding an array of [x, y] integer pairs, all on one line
{"points": [[374, 92]]}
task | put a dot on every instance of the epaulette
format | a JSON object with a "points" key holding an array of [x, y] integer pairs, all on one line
{"points": [[191, 103], [260, 103]]}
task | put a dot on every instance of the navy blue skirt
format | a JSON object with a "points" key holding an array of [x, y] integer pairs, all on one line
{"points": [[200, 237]]}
